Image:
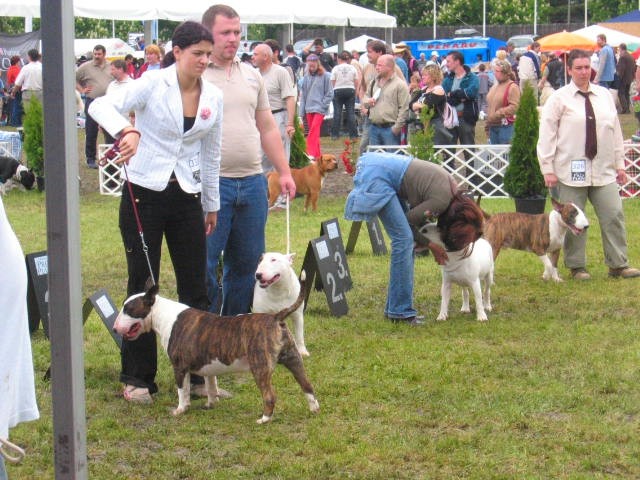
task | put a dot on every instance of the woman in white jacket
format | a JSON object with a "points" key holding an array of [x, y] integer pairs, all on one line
{"points": [[173, 161]]}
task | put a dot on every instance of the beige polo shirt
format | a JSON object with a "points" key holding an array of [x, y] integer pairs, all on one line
{"points": [[243, 93], [99, 77], [278, 83]]}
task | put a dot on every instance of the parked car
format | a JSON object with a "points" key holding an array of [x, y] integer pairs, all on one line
{"points": [[300, 44], [466, 32], [522, 42]]}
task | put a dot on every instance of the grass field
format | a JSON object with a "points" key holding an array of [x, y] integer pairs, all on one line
{"points": [[548, 388]]}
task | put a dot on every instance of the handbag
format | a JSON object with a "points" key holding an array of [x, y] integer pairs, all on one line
{"points": [[450, 116]]}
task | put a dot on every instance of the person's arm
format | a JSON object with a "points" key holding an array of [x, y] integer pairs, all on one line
{"points": [[328, 92], [272, 147], [602, 62], [210, 158], [291, 112], [548, 139], [402, 95]]}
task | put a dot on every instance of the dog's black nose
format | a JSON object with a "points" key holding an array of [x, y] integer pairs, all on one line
{"points": [[258, 276]]}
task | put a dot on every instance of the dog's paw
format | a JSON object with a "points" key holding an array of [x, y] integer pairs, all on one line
{"points": [[314, 405], [442, 317], [465, 310], [263, 419], [179, 411], [210, 403], [488, 307], [482, 317], [304, 352]]}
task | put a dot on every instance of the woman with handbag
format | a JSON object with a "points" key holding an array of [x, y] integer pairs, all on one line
{"points": [[432, 96], [502, 102]]}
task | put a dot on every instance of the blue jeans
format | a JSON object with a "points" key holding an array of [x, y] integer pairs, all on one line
{"points": [[3, 470], [501, 135], [382, 136], [240, 235], [400, 291]]}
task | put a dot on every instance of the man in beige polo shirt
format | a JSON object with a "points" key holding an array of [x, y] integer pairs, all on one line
{"points": [[92, 79], [248, 124], [282, 100]]}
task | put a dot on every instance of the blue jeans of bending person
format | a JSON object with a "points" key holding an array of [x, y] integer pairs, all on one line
{"points": [[376, 186], [239, 238], [400, 291]]}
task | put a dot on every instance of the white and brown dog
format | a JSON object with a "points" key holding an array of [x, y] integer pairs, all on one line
{"points": [[471, 268], [207, 344], [541, 234], [277, 287], [309, 180]]}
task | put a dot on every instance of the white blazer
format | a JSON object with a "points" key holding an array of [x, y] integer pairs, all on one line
{"points": [[164, 147]]}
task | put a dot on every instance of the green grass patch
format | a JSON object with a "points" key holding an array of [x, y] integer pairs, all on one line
{"points": [[546, 389]]}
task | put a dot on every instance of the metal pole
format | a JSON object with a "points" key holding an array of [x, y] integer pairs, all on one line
{"points": [[63, 242], [435, 20], [586, 8], [535, 17], [484, 18]]}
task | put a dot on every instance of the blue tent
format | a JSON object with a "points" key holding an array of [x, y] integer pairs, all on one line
{"points": [[633, 16], [474, 49]]}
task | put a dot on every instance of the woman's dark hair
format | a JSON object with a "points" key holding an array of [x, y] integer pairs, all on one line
{"points": [[461, 223], [186, 34], [15, 59]]}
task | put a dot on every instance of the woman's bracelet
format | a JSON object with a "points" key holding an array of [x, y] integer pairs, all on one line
{"points": [[133, 130]]}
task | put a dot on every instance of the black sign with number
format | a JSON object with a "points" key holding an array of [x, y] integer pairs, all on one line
{"points": [[331, 228], [38, 290], [320, 260], [102, 303], [375, 235]]}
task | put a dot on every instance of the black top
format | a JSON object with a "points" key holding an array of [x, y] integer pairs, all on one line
{"points": [[188, 123]]}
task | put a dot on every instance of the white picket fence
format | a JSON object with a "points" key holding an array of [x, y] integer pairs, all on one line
{"points": [[481, 167]]}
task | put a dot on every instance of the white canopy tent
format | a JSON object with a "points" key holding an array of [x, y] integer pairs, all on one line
{"points": [[358, 43], [614, 37], [115, 47], [327, 12]]}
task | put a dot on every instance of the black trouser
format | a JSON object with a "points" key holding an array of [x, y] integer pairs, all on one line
{"points": [[344, 97], [177, 216], [91, 129], [623, 95]]}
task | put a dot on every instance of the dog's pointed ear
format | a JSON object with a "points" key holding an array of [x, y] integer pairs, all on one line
{"points": [[557, 206], [150, 294], [290, 257]]}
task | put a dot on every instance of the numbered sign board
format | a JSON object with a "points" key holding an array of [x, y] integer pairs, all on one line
{"points": [[331, 228], [102, 303], [375, 235], [320, 260], [38, 290]]}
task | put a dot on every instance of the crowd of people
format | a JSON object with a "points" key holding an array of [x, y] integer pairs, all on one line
{"points": [[198, 126]]}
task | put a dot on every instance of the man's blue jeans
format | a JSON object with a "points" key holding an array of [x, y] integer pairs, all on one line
{"points": [[400, 291], [240, 235], [382, 136]]}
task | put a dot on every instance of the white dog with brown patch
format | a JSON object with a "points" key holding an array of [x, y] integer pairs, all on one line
{"points": [[277, 286]]}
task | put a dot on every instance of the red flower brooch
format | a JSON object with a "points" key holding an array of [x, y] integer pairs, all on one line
{"points": [[205, 113]]}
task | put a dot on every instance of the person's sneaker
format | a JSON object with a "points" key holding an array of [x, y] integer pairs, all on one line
{"points": [[135, 394], [199, 390], [415, 320], [624, 272], [580, 274], [92, 165]]}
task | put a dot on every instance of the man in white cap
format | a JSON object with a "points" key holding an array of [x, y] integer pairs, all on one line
{"points": [[433, 60]]}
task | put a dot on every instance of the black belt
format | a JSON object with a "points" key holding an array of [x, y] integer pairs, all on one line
{"points": [[384, 125], [278, 110]]}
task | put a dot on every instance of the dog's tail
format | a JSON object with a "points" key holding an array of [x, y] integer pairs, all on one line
{"points": [[282, 314]]}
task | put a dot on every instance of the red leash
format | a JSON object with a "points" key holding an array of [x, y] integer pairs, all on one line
{"points": [[114, 154]]}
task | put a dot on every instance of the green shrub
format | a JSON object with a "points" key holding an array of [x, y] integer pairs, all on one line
{"points": [[523, 177], [298, 157], [421, 142], [33, 124]]}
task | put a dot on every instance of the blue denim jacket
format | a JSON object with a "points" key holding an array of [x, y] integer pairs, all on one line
{"points": [[377, 180]]}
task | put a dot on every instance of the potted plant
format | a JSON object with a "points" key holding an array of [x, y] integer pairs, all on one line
{"points": [[33, 125], [523, 179]]}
